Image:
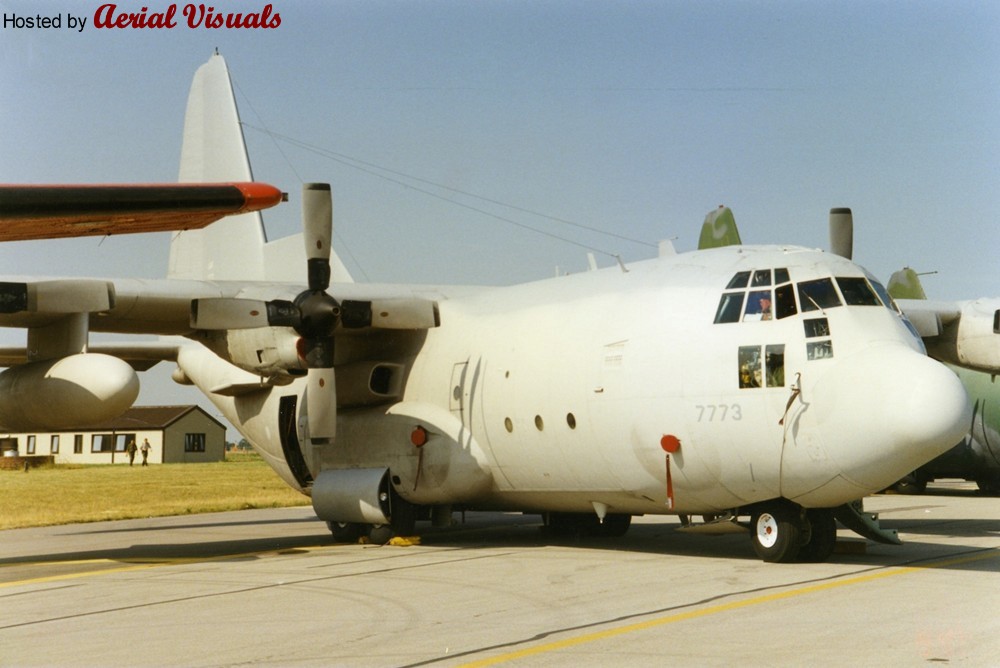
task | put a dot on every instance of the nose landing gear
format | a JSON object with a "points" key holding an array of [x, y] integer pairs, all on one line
{"points": [[782, 532]]}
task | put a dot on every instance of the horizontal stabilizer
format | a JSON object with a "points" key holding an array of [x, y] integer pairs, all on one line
{"points": [[57, 211]]}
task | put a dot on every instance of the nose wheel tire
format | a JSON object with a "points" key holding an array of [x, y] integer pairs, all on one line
{"points": [[776, 533]]}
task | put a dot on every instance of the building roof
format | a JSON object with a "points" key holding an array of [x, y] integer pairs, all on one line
{"points": [[141, 418]]}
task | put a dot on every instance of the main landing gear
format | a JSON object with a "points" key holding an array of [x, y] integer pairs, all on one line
{"points": [[401, 523], [783, 532]]}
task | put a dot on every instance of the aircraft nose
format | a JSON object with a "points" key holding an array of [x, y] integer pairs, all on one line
{"points": [[886, 411]]}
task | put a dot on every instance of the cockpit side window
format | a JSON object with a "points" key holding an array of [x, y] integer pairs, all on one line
{"points": [[857, 292], [884, 296], [817, 295], [730, 307]]}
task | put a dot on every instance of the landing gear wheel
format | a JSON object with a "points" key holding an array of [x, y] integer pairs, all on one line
{"points": [[822, 536], [989, 486], [345, 532], [401, 523], [775, 532], [911, 484]]}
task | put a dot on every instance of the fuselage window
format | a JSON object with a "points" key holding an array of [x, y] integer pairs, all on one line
{"points": [[818, 294], [774, 365], [784, 301], [749, 358], [758, 305], [740, 280], [730, 307], [761, 278], [857, 292]]}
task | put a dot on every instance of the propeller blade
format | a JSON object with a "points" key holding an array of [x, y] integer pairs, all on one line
{"points": [[219, 313], [57, 296], [317, 222], [842, 232], [389, 314], [321, 403]]}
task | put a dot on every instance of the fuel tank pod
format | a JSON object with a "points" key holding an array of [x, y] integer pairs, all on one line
{"points": [[74, 391]]}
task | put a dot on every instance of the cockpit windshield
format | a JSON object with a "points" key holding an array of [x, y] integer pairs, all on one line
{"points": [[766, 294]]}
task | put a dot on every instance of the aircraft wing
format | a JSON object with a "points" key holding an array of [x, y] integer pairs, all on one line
{"points": [[57, 211], [140, 355], [963, 333]]}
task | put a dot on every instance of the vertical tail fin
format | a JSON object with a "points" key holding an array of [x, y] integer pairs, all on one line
{"points": [[214, 150], [236, 247], [719, 229]]}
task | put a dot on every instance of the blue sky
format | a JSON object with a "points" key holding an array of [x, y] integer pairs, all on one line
{"points": [[636, 118]]}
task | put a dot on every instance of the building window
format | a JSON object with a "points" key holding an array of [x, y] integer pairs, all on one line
{"points": [[122, 441], [194, 442], [54, 445], [31, 444], [77, 444], [101, 443]]}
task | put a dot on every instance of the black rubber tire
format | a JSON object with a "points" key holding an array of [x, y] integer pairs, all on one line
{"points": [[822, 536], [345, 532]]}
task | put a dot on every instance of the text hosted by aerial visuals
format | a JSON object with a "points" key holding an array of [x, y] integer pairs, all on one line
{"points": [[110, 16]]}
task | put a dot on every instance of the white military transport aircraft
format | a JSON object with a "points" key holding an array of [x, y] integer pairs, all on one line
{"points": [[777, 383]]}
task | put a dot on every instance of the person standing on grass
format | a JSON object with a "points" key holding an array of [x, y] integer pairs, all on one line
{"points": [[146, 447], [130, 449]]}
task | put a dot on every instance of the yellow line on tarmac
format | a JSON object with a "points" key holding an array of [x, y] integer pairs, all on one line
{"points": [[724, 607]]}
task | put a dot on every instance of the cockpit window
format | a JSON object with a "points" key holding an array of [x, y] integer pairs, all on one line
{"points": [[884, 295], [781, 276], [761, 278], [784, 297], [817, 295], [740, 280], [730, 307], [758, 305], [857, 292]]}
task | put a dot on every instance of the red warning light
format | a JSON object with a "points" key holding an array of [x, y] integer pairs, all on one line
{"points": [[418, 437], [670, 443]]}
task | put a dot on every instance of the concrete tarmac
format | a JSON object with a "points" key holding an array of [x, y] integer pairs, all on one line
{"points": [[266, 587]]}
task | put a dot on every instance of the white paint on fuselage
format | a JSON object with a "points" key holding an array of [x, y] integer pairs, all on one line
{"points": [[566, 386]]}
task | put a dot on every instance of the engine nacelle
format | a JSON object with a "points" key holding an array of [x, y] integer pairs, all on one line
{"points": [[73, 391], [978, 341], [263, 351], [974, 341]]}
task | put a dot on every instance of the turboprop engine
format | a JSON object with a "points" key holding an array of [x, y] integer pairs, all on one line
{"points": [[73, 391]]}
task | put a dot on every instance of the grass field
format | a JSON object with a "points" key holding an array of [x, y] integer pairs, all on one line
{"points": [[64, 494]]}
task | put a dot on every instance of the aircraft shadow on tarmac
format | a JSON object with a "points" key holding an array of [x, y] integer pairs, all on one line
{"points": [[516, 531]]}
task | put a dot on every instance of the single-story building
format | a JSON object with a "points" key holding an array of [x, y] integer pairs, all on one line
{"points": [[175, 434]]}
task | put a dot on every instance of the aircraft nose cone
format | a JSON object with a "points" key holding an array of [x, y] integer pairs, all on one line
{"points": [[889, 410], [934, 407]]}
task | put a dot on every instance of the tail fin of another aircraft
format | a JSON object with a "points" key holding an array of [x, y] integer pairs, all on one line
{"points": [[719, 230], [905, 284], [234, 248]]}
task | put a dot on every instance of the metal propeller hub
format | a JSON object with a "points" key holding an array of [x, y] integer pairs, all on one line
{"points": [[318, 314]]}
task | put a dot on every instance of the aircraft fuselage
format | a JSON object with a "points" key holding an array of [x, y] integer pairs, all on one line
{"points": [[574, 391]]}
